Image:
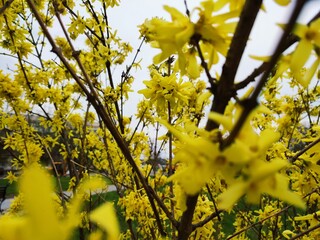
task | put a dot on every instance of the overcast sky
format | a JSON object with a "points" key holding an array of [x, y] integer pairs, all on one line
{"points": [[263, 37]]}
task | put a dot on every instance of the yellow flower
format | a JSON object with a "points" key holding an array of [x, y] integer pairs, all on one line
{"points": [[106, 218], [288, 234], [309, 38], [262, 178], [202, 159], [283, 2], [217, 29], [166, 89], [11, 177], [40, 220], [212, 31], [313, 218], [37, 188], [170, 37], [257, 144]]}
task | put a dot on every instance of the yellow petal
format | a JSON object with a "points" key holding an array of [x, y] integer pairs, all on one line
{"points": [[37, 190], [12, 228], [265, 169], [286, 234], [175, 14], [193, 67], [282, 192], [227, 199], [310, 73], [93, 183], [300, 57], [267, 138], [283, 2], [106, 218], [300, 30], [98, 235], [260, 58], [221, 119]]}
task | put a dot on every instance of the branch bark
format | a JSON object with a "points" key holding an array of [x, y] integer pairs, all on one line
{"points": [[225, 91], [252, 102], [106, 118], [5, 6]]}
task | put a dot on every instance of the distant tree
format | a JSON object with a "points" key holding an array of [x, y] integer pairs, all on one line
{"points": [[231, 174]]}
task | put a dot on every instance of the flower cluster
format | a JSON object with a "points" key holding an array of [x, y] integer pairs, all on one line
{"points": [[242, 164], [181, 36]]}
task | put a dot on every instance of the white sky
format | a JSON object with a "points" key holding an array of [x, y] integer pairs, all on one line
{"points": [[263, 37]]}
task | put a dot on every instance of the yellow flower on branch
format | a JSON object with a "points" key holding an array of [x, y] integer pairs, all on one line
{"points": [[170, 37], [40, 220], [313, 218], [161, 90], [201, 159], [257, 143], [309, 39], [213, 31], [11, 177], [216, 29], [262, 178]]}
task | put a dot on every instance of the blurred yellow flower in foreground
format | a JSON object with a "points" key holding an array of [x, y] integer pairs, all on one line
{"points": [[309, 39], [40, 220], [263, 178]]}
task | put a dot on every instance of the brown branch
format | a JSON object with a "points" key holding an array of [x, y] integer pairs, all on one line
{"points": [[291, 39], [268, 217], [207, 219], [251, 103], [225, 88], [195, 41], [306, 232], [185, 225], [298, 154], [212, 216], [106, 118], [5, 6], [252, 77], [224, 92]]}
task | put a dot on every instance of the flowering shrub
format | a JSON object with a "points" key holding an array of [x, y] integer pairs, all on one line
{"points": [[248, 169]]}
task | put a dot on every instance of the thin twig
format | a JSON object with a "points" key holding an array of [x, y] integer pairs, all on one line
{"points": [[224, 92], [5, 6], [291, 39], [306, 232], [298, 154], [96, 103], [204, 64], [251, 103]]}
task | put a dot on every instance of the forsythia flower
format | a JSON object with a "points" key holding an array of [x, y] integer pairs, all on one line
{"points": [[313, 218], [166, 89], [203, 159], [180, 36], [259, 176], [111, 3], [262, 179], [11, 177], [170, 37], [37, 190], [309, 38]]}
